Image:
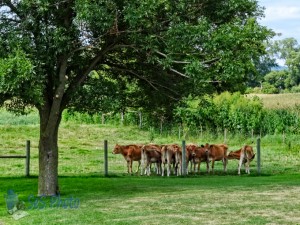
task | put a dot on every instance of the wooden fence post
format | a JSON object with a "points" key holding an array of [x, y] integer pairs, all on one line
{"points": [[105, 159], [258, 155], [183, 168], [27, 161]]}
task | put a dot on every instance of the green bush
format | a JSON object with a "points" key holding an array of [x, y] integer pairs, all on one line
{"points": [[237, 114]]}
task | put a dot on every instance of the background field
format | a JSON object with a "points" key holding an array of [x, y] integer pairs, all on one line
{"points": [[123, 199], [279, 101]]}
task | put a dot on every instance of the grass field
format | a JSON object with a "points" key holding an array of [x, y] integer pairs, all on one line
{"points": [[123, 199], [156, 200], [268, 198], [279, 101]]}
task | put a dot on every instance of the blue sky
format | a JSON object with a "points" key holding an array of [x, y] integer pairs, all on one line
{"points": [[282, 16]]}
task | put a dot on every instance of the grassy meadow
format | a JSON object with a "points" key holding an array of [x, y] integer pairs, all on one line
{"points": [[268, 198], [279, 101]]}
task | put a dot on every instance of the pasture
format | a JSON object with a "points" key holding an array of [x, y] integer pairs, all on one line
{"points": [[279, 101], [124, 199]]}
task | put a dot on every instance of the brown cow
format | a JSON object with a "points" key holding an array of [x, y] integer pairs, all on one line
{"points": [[217, 153], [199, 155], [189, 149], [168, 157], [151, 154], [245, 155], [130, 153], [178, 158]]}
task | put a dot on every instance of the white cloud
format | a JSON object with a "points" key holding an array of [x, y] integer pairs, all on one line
{"points": [[282, 17], [275, 13]]}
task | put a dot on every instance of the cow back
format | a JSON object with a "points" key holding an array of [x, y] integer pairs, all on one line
{"points": [[217, 152]]}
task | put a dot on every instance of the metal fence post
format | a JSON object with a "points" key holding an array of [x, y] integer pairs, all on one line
{"points": [[183, 168], [27, 161], [105, 159], [258, 155]]}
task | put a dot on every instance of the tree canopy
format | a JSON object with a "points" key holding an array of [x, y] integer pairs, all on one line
{"points": [[286, 78], [90, 55]]}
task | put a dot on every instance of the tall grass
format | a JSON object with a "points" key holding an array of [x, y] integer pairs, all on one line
{"points": [[278, 101], [7, 118]]}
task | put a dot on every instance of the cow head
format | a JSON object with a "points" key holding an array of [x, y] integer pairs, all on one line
{"points": [[176, 148], [206, 147], [117, 149], [234, 154]]}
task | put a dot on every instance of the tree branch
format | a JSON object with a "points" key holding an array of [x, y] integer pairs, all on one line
{"points": [[151, 83], [174, 61], [179, 73]]}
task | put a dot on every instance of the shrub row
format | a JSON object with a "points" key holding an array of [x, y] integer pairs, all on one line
{"points": [[233, 112]]}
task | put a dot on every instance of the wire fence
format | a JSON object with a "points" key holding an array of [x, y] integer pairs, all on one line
{"points": [[96, 161]]}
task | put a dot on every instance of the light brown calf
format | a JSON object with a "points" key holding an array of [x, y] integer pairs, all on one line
{"points": [[178, 158], [217, 153], [130, 153], [199, 155], [168, 157], [151, 154], [245, 155]]}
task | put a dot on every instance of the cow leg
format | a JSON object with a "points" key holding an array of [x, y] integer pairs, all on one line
{"points": [[207, 165], [247, 166], [213, 166], [198, 170], [179, 169], [130, 165], [159, 167], [168, 169], [139, 165], [225, 164], [240, 164]]}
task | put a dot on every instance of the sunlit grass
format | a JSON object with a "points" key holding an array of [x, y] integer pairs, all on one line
{"points": [[158, 200], [124, 199], [279, 101]]}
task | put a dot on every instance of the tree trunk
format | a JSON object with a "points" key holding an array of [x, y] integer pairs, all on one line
{"points": [[48, 156]]}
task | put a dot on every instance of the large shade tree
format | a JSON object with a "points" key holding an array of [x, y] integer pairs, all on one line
{"points": [[56, 55]]}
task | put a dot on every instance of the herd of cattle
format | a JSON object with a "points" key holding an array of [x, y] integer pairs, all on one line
{"points": [[170, 157]]}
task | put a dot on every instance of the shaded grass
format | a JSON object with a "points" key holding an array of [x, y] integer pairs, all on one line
{"points": [[157, 200]]}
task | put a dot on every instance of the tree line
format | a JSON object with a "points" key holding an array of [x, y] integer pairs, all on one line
{"points": [[273, 78], [236, 113]]}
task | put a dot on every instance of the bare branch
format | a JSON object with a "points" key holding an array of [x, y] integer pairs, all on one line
{"points": [[174, 61], [151, 83], [210, 61], [179, 73]]}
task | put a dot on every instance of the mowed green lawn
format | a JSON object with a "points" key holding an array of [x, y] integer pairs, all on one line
{"points": [[269, 198], [157, 200]]}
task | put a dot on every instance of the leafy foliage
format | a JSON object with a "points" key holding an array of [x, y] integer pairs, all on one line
{"points": [[147, 54], [288, 79], [237, 114]]}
